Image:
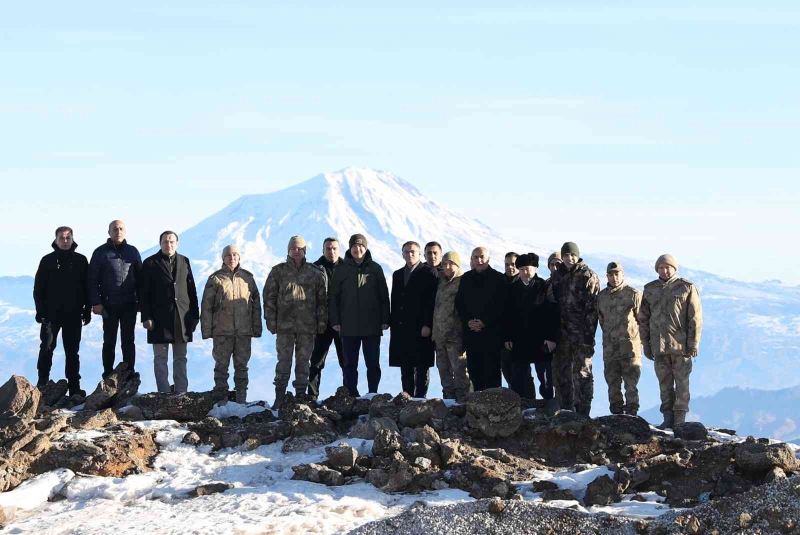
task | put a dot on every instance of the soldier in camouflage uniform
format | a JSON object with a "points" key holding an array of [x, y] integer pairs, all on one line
{"points": [[670, 323], [296, 309], [576, 295], [617, 310], [231, 315], [448, 331]]}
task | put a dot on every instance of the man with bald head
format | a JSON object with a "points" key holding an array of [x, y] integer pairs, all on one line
{"points": [[113, 293], [480, 303]]}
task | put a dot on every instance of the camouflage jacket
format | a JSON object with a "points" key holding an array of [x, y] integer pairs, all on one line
{"points": [[296, 299], [671, 318], [447, 325], [617, 311], [231, 305], [576, 294]]}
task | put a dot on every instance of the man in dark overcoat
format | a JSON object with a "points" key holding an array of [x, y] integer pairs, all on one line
{"points": [[170, 312], [413, 297]]}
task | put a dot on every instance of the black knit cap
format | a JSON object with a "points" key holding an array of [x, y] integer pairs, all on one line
{"points": [[570, 248], [527, 259], [358, 238]]}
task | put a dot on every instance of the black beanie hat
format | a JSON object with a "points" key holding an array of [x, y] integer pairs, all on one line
{"points": [[358, 238], [570, 248], [528, 259]]}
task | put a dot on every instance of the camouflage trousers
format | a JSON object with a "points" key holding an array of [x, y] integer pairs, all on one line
{"points": [[673, 380], [451, 361], [618, 371], [300, 346], [226, 347], [572, 376]]}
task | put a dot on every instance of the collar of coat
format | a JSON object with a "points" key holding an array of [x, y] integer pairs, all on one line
{"points": [[290, 261], [322, 261], [58, 249], [349, 258], [616, 289]]}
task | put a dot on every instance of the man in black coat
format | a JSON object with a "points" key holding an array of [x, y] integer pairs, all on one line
{"points": [[480, 303], [114, 293], [358, 310], [59, 291], [170, 313], [531, 329], [328, 262], [413, 296]]}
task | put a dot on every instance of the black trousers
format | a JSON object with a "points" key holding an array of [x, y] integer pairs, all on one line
{"points": [[484, 369], [515, 372], [322, 343], [544, 372], [372, 356], [70, 326], [120, 318], [415, 380]]}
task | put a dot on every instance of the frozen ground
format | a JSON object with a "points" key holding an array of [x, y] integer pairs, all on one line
{"points": [[264, 498]]}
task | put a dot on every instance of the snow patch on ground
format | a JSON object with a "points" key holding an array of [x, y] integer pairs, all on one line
{"points": [[235, 409]]}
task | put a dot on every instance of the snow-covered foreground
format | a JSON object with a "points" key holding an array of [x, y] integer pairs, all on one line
{"points": [[264, 499]]}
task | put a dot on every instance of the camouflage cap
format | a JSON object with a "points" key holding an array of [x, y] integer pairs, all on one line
{"points": [[614, 266], [452, 256], [667, 259], [296, 241]]}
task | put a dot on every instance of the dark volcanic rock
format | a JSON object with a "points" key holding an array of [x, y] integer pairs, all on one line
{"points": [[116, 390], [210, 488], [691, 431], [317, 473], [602, 491], [188, 407], [756, 459], [494, 412]]}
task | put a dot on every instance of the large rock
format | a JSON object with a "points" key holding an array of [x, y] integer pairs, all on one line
{"points": [[370, 426], [494, 412], [188, 407], [116, 390], [691, 431], [602, 491], [341, 456], [308, 429], [623, 430], [342, 402], [18, 397], [53, 392], [317, 473], [756, 459], [387, 442], [419, 413], [122, 450], [93, 420]]}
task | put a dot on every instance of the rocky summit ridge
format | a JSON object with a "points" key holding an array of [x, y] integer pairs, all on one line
{"points": [[493, 447]]}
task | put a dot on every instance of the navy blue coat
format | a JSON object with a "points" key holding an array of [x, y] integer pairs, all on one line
{"points": [[412, 309], [113, 274]]}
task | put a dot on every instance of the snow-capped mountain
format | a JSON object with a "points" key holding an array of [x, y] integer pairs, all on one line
{"points": [[751, 335]]}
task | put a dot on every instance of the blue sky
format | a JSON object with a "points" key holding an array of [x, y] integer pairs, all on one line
{"points": [[631, 128]]}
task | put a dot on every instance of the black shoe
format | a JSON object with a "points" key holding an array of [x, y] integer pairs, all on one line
{"points": [[41, 384]]}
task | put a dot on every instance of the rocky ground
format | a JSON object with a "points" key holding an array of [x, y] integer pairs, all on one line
{"points": [[489, 447]]}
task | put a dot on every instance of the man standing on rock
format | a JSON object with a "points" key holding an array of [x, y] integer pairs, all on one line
{"points": [[170, 312], [671, 322], [433, 256], [576, 295], [328, 262], [231, 314], [480, 303], [506, 364], [59, 292], [114, 294], [359, 312], [296, 310], [531, 329], [618, 308], [411, 321], [448, 331]]}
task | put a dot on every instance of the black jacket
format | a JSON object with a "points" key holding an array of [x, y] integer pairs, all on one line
{"points": [[329, 268], [359, 297], [482, 296], [113, 274], [60, 285], [530, 319], [170, 303], [412, 309]]}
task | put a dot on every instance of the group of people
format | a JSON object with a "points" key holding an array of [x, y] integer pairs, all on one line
{"points": [[476, 324]]}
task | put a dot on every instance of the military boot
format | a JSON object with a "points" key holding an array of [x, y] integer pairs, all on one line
{"points": [[75, 389], [679, 418], [669, 421], [280, 394]]}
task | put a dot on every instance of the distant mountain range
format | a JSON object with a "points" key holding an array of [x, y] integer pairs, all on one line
{"points": [[751, 335]]}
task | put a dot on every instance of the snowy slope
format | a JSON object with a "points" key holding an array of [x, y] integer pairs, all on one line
{"points": [[751, 336]]}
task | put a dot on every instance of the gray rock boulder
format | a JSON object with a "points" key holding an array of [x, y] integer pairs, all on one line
{"points": [[19, 398], [494, 412]]}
